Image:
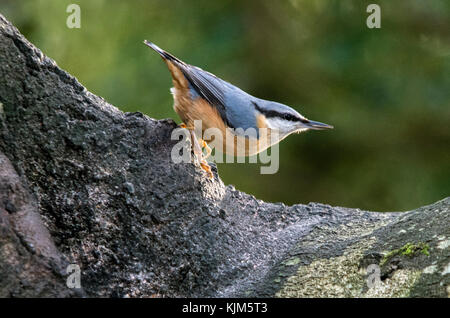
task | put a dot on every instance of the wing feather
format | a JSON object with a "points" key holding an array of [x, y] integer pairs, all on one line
{"points": [[207, 85]]}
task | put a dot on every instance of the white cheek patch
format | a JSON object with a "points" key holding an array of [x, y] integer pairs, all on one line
{"points": [[282, 125], [273, 123]]}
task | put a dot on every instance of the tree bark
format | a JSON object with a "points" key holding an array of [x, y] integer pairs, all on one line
{"points": [[83, 183]]}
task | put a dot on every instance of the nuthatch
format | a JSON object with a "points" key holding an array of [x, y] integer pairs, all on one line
{"points": [[200, 95]]}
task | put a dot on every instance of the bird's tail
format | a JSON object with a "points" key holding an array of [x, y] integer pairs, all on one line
{"points": [[165, 55], [175, 65]]}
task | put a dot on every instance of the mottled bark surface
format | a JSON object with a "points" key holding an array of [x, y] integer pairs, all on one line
{"points": [[83, 183]]}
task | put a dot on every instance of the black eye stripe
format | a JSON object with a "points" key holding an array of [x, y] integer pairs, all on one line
{"points": [[274, 113]]}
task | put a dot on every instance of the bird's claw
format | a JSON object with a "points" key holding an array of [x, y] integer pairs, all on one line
{"points": [[203, 144], [183, 125], [198, 154], [205, 166]]}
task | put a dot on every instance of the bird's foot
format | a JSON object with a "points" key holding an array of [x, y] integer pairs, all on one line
{"points": [[183, 125], [203, 144], [198, 154], [205, 166]]}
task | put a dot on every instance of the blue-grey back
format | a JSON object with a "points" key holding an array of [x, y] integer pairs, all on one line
{"points": [[237, 104], [234, 105]]}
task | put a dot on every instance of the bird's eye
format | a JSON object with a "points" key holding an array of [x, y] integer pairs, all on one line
{"points": [[289, 117]]}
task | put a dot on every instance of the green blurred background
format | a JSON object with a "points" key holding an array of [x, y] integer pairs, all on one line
{"points": [[386, 91]]}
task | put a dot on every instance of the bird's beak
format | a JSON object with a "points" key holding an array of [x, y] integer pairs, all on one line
{"points": [[311, 124]]}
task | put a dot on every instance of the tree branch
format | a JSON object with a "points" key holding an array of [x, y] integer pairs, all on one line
{"points": [[83, 183]]}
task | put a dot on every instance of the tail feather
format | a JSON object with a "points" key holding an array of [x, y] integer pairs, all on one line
{"points": [[165, 55], [205, 84]]}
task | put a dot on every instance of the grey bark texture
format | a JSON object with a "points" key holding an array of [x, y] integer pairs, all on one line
{"points": [[83, 183]]}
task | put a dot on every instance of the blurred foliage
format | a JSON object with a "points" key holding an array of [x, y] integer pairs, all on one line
{"points": [[386, 91]]}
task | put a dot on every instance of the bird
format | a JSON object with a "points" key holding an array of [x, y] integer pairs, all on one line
{"points": [[202, 96]]}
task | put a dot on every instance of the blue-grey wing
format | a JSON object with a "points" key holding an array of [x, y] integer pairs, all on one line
{"points": [[233, 104], [208, 86], [219, 93], [239, 109]]}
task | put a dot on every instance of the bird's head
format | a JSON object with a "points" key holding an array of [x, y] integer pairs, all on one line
{"points": [[286, 119]]}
